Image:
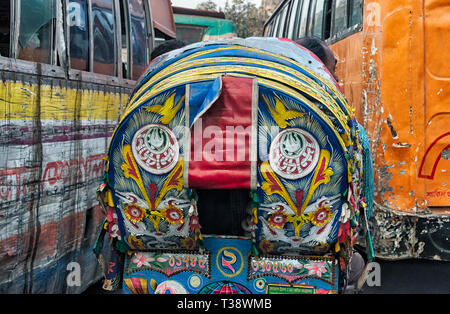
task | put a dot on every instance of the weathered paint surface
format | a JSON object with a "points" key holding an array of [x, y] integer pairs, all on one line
{"points": [[55, 132], [396, 75]]}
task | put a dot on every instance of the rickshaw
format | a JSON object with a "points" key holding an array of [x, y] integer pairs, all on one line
{"points": [[259, 115]]}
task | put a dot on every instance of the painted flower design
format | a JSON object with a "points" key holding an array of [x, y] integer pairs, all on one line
{"points": [[173, 215], [321, 216], [115, 232], [141, 259], [113, 228], [277, 219], [316, 268], [134, 213], [194, 223]]}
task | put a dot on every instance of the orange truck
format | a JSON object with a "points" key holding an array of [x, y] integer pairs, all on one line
{"points": [[392, 68]]}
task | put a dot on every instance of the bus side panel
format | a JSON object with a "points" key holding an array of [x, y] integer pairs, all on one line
{"points": [[54, 135], [387, 57], [435, 162], [408, 222], [402, 101], [381, 72]]}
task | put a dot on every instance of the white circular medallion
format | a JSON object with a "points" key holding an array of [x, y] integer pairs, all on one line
{"points": [[294, 153], [155, 148], [195, 281]]}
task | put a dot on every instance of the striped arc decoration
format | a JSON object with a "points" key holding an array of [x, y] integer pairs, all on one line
{"points": [[137, 285]]}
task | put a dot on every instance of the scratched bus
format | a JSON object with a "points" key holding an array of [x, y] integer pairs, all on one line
{"points": [[393, 68], [67, 68]]}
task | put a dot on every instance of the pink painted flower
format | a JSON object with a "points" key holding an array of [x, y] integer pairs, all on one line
{"points": [[140, 260], [316, 268], [344, 230]]}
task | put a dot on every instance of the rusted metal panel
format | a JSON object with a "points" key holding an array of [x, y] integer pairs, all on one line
{"points": [[400, 235]]}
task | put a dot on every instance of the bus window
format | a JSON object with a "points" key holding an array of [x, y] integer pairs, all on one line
{"points": [[317, 29], [79, 34], [275, 26], [355, 13], [328, 8], [125, 39], [37, 19], [293, 18], [4, 28], [340, 16], [303, 19], [190, 33], [282, 19], [138, 37], [270, 29], [103, 30]]}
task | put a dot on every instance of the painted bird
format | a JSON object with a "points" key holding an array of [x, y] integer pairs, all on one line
{"points": [[280, 114], [168, 110]]}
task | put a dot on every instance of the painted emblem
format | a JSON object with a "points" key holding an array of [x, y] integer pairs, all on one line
{"points": [[155, 148], [294, 153], [229, 261], [170, 287]]}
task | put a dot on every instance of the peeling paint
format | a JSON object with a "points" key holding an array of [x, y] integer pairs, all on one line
{"points": [[373, 49], [446, 154], [411, 119], [401, 145], [393, 236], [400, 235], [391, 127], [28, 92], [384, 178], [420, 247]]}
